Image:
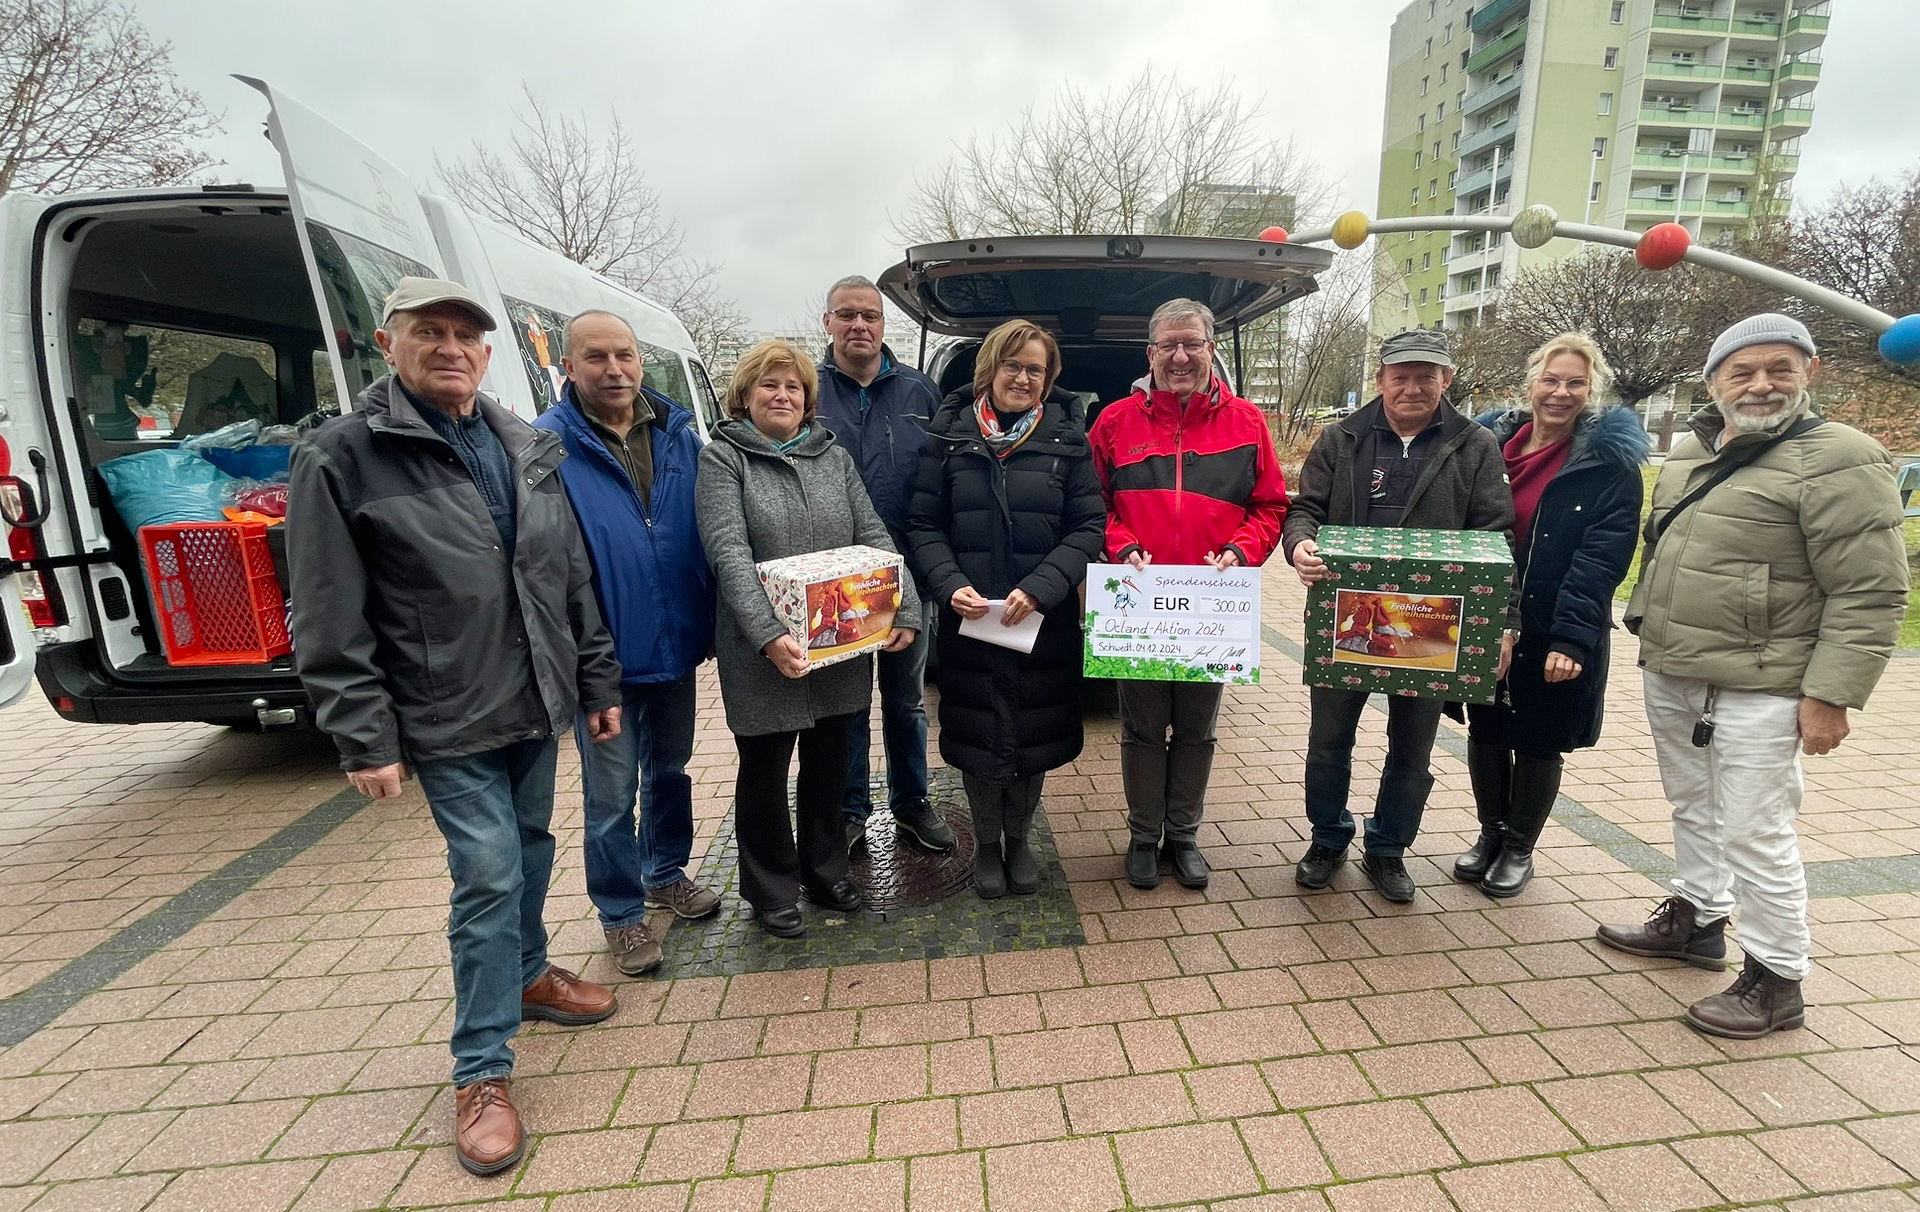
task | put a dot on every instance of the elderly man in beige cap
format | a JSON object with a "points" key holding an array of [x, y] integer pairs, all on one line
{"points": [[446, 620]]}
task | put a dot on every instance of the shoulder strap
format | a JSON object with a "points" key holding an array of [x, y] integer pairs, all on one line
{"points": [[1726, 471]]}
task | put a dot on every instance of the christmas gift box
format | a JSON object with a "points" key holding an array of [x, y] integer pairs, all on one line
{"points": [[837, 603], [1413, 612]]}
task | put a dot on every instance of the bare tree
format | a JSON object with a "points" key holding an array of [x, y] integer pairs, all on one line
{"points": [[1326, 338], [584, 194], [1152, 155], [88, 100], [1645, 323]]}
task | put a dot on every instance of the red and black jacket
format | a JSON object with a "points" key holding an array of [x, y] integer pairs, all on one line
{"points": [[1183, 482]]}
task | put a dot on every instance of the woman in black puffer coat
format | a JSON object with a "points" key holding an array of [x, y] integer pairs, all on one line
{"points": [[1007, 507], [1575, 477]]}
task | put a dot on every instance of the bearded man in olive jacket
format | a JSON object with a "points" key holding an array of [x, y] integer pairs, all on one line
{"points": [[1767, 607]]}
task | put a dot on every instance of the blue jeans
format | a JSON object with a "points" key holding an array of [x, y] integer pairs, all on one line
{"points": [[648, 759], [1405, 779], [903, 729], [494, 809]]}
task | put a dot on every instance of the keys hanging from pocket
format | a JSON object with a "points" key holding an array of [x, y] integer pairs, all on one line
{"points": [[1703, 727]]}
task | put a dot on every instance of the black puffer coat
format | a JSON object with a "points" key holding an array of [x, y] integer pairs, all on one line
{"points": [[1576, 554], [1030, 522]]}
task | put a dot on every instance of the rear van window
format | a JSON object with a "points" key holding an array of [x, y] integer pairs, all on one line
{"points": [[150, 383]]}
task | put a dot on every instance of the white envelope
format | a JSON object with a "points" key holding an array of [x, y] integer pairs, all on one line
{"points": [[988, 628]]}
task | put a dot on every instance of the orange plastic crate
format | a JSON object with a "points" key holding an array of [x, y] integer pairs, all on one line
{"points": [[214, 593]]}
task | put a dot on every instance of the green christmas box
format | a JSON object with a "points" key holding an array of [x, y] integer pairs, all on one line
{"points": [[1413, 612]]}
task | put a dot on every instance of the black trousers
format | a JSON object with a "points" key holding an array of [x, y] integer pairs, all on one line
{"points": [[781, 853], [1405, 779]]}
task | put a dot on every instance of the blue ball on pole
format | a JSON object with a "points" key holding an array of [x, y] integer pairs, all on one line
{"points": [[1900, 344]]}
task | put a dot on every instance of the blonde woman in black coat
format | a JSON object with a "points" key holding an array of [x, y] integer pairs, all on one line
{"points": [[1007, 507]]}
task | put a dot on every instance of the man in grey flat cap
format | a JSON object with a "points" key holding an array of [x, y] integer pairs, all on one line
{"points": [[1771, 590], [1410, 459], [446, 620]]}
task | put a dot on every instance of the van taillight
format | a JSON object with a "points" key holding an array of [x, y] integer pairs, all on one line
{"points": [[25, 545]]}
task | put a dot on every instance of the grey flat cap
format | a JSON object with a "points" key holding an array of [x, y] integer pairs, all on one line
{"points": [[412, 294], [1767, 328], [1415, 345]]}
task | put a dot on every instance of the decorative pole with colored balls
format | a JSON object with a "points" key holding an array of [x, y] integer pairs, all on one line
{"points": [[1660, 247]]}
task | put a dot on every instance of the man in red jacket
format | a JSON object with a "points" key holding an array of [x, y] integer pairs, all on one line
{"points": [[1190, 477]]}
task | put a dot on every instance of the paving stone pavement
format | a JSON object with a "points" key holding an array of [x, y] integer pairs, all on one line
{"points": [[217, 999]]}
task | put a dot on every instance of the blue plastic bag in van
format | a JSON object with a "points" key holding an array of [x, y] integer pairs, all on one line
{"points": [[250, 462], [158, 487]]}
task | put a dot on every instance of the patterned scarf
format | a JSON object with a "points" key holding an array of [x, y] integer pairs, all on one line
{"points": [[1004, 442]]}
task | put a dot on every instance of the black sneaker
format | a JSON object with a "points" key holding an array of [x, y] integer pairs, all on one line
{"points": [[922, 824], [1317, 868], [1389, 875]]}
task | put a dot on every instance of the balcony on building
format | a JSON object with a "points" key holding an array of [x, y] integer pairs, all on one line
{"points": [[1499, 48], [1494, 93], [1481, 179], [1791, 115], [1489, 16], [1799, 74], [1756, 21], [1688, 19], [1484, 138], [1807, 27]]}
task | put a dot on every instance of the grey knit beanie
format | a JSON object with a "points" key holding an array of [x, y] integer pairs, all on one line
{"points": [[1767, 328]]}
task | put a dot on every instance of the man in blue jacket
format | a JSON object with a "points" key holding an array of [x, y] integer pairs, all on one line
{"points": [[878, 410], [629, 472]]}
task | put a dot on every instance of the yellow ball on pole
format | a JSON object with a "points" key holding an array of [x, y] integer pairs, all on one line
{"points": [[1350, 229]]}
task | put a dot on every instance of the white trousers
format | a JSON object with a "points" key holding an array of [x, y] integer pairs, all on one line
{"points": [[1733, 808]]}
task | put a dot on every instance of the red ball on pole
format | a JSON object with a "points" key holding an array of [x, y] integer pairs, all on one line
{"points": [[1663, 246], [1274, 235]]}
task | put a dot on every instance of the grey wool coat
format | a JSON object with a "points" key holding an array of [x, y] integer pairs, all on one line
{"points": [[757, 504]]}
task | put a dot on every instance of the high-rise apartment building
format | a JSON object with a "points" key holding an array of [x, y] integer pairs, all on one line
{"points": [[1620, 112]]}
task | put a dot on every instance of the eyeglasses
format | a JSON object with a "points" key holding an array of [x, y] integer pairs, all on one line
{"points": [[1023, 370], [1553, 384], [847, 315], [1167, 349]]}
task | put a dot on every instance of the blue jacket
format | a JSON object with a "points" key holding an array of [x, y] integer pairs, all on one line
{"points": [[649, 571], [885, 437]]}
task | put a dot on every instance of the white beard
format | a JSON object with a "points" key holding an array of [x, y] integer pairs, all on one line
{"points": [[1741, 420]]}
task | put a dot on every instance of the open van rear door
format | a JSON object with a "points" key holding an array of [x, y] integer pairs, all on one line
{"points": [[362, 228], [1096, 286]]}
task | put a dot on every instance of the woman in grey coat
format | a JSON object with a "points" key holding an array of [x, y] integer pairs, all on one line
{"points": [[773, 484]]}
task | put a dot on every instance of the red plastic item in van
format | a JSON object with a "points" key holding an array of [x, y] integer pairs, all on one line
{"points": [[214, 593]]}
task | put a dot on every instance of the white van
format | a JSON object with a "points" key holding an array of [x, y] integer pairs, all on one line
{"points": [[131, 319]]}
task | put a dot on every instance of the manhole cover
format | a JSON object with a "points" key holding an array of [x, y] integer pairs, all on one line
{"points": [[896, 874]]}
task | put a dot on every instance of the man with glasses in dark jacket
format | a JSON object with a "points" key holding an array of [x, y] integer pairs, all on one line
{"points": [[445, 610], [878, 410]]}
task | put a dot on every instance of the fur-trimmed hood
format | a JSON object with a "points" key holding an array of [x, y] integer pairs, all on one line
{"points": [[1614, 436]]}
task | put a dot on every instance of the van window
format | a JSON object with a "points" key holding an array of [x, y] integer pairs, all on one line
{"points": [[144, 382], [709, 402], [358, 277], [662, 370], [539, 333]]}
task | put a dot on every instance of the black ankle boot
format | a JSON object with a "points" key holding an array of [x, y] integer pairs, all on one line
{"points": [[989, 869], [1536, 783], [1490, 768]]}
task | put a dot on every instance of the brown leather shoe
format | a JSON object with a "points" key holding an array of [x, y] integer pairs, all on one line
{"points": [[487, 1134], [561, 997], [1759, 1002], [1673, 931]]}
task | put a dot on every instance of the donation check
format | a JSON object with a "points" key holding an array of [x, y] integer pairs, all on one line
{"points": [[1173, 623]]}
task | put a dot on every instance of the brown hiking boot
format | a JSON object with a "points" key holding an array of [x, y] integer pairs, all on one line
{"points": [[686, 898], [487, 1134], [634, 949], [1759, 1002], [561, 997], [1671, 932]]}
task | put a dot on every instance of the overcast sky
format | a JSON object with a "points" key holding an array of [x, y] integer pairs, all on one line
{"points": [[786, 137]]}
